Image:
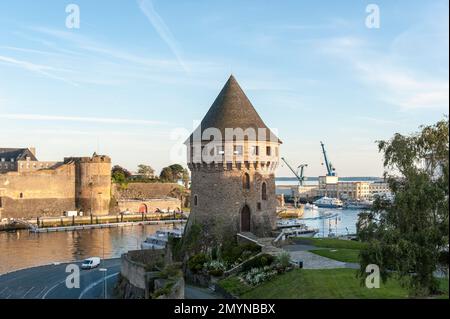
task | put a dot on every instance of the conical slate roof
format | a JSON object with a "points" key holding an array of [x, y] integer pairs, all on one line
{"points": [[232, 109]]}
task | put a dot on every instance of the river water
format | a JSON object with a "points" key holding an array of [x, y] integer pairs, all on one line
{"points": [[22, 249]]}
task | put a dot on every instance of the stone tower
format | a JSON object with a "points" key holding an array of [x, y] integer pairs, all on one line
{"points": [[232, 156], [92, 184]]}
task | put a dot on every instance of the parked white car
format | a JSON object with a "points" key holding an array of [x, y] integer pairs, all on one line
{"points": [[90, 263]]}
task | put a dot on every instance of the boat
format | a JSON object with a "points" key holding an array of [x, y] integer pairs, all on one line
{"points": [[160, 238], [291, 212], [287, 223], [310, 206], [358, 204], [328, 202], [303, 231]]}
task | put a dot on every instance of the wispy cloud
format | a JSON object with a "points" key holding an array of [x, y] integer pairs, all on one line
{"points": [[147, 8], [40, 117], [44, 70], [395, 84]]}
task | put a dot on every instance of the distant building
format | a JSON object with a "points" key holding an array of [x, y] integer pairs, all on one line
{"points": [[32, 188], [351, 190], [235, 192]]}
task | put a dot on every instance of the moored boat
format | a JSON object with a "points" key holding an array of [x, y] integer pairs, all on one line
{"points": [[328, 202]]}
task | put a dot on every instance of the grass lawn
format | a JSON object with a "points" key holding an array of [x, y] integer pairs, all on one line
{"points": [[316, 284], [342, 254]]}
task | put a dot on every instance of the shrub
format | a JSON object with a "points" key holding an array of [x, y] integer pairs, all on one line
{"points": [[256, 276], [284, 259], [216, 272], [259, 262], [232, 253], [196, 262]]}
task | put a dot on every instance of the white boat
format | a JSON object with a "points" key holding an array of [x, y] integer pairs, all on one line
{"points": [[160, 238], [328, 202], [361, 204], [311, 206], [300, 231], [286, 223]]}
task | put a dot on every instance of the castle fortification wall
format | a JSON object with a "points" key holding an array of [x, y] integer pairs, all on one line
{"points": [[47, 192]]}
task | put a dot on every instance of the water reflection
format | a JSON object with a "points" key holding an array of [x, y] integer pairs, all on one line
{"points": [[23, 249], [342, 224]]}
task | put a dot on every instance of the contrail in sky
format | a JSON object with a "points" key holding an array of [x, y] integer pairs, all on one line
{"points": [[163, 30]]}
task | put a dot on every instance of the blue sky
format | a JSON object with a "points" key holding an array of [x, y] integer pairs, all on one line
{"points": [[136, 74]]}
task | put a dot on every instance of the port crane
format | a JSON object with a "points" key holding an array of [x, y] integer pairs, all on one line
{"points": [[300, 170], [331, 171]]}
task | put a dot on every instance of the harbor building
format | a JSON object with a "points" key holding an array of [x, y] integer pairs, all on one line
{"points": [[33, 188], [233, 177], [350, 190]]}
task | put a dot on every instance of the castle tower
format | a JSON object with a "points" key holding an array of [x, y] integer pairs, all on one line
{"points": [[93, 184], [232, 156]]}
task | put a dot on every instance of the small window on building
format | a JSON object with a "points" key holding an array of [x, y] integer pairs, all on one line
{"points": [[258, 206], [195, 200], [1, 202], [238, 150], [255, 150], [264, 191], [219, 150], [21, 195], [3, 159], [246, 181], [12, 160], [268, 151]]}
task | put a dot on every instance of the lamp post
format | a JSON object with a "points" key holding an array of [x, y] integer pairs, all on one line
{"points": [[104, 270]]}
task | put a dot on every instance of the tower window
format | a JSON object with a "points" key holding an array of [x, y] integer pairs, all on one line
{"points": [[264, 191], [195, 200], [21, 195], [268, 151], [246, 181]]}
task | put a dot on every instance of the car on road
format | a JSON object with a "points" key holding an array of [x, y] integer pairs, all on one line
{"points": [[90, 263]]}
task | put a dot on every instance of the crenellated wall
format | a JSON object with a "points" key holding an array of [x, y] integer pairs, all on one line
{"points": [[75, 184]]}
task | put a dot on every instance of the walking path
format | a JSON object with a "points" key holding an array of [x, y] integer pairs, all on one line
{"points": [[299, 252]]}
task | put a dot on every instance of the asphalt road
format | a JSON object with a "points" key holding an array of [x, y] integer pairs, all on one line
{"points": [[49, 282]]}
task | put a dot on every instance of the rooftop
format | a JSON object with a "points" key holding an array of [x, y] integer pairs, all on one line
{"points": [[16, 154], [232, 109]]}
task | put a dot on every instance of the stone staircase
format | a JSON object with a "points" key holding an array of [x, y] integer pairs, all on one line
{"points": [[266, 243]]}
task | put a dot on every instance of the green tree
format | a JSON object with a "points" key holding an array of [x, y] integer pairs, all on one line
{"points": [[146, 170], [166, 174], [173, 173], [120, 175], [408, 235], [120, 169]]}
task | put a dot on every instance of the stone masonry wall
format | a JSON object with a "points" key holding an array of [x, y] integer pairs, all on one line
{"points": [[39, 193]]}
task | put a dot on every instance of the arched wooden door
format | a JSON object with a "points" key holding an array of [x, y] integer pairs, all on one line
{"points": [[143, 209], [245, 219]]}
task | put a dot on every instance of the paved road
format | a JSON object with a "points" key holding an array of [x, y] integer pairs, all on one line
{"points": [[49, 282]]}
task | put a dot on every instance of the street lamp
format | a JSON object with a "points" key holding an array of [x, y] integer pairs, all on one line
{"points": [[104, 270]]}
